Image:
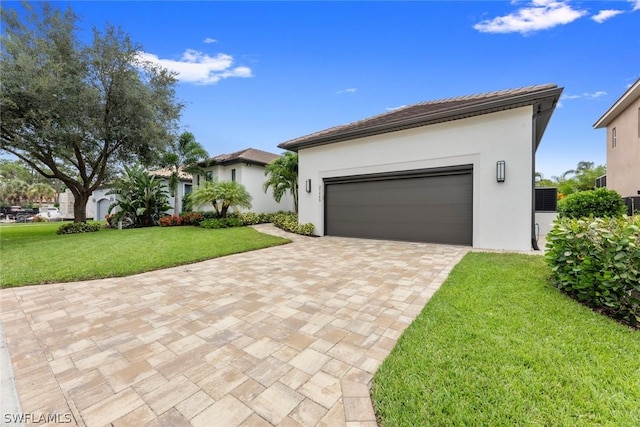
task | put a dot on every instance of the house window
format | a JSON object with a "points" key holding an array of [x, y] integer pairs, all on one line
{"points": [[188, 189], [208, 176], [613, 138], [233, 175]]}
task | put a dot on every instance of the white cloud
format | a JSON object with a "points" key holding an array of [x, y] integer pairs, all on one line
{"points": [[603, 15], [350, 90], [395, 108], [209, 40], [538, 15], [636, 4], [199, 68], [585, 95]]}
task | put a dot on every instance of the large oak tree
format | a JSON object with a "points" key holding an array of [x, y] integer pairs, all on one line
{"points": [[77, 112]]}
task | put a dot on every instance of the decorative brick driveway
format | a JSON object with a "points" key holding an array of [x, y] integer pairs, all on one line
{"points": [[285, 336]]}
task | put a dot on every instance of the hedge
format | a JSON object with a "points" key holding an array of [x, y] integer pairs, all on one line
{"points": [[78, 227], [289, 222], [601, 202], [597, 261]]}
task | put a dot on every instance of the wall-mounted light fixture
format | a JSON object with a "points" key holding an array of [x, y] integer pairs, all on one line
{"points": [[307, 185], [501, 169]]}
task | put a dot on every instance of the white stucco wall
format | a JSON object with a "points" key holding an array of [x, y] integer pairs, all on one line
{"points": [[544, 221], [253, 178], [501, 211]]}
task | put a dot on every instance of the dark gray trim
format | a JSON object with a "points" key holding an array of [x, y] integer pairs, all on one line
{"points": [[543, 101], [411, 173]]}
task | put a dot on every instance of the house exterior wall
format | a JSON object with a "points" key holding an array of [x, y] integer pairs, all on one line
{"points": [[252, 177], [101, 202], [623, 160], [180, 192], [501, 211], [66, 202]]}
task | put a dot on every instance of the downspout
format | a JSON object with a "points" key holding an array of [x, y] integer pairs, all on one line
{"points": [[534, 240]]}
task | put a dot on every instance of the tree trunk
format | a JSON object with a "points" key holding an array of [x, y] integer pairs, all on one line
{"points": [[80, 200]]}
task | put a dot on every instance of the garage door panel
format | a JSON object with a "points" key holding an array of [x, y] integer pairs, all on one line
{"points": [[430, 209]]}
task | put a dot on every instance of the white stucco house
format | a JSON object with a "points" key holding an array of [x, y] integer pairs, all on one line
{"points": [[246, 167], [457, 171]]}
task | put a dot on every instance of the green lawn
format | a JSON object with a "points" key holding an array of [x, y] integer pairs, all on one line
{"points": [[498, 346], [34, 253]]}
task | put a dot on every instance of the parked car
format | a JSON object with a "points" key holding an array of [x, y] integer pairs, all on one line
{"points": [[51, 214]]}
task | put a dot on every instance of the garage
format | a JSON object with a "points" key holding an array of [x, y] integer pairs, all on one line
{"points": [[431, 205], [448, 171]]}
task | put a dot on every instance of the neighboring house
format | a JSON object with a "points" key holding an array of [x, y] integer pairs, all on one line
{"points": [[66, 202], [458, 170], [246, 167], [185, 186], [622, 122], [100, 200]]}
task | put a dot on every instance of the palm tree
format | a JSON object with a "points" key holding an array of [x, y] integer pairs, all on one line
{"points": [[283, 177], [39, 192], [14, 191], [183, 156], [222, 195]]}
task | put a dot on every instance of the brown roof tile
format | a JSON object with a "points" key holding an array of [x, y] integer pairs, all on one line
{"points": [[426, 113], [166, 173], [249, 155]]}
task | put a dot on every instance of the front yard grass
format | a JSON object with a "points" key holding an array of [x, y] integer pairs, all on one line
{"points": [[499, 346], [34, 253]]}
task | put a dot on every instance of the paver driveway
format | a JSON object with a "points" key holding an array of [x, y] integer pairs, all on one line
{"points": [[288, 336]]}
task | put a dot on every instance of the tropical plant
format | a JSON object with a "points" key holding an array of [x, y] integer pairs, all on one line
{"points": [[581, 178], [183, 156], [222, 195], [40, 192], [187, 203], [141, 199], [14, 192], [75, 111], [283, 177]]}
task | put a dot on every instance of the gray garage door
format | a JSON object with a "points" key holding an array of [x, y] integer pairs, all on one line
{"points": [[432, 205]]}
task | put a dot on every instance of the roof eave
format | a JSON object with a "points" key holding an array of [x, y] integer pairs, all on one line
{"points": [[550, 95], [619, 106]]}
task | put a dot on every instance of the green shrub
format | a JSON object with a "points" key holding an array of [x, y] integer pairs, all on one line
{"points": [[597, 261], [221, 223], [249, 218], [78, 227], [289, 222], [601, 202], [209, 215]]}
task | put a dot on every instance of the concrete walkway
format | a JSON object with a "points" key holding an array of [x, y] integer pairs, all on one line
{"points": [[285, 336]]}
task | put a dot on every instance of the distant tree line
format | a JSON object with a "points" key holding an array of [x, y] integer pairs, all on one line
{"points": [[582, 178]]}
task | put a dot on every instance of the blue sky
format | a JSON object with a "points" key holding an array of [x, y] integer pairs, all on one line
{"points": [[255, 74]]}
